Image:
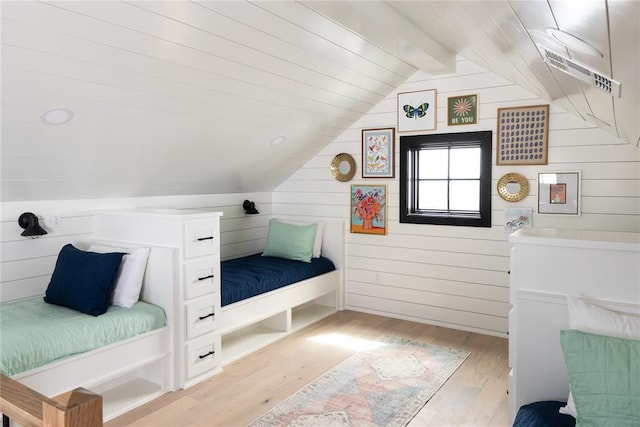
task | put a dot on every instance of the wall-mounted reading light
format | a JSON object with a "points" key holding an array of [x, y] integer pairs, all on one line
{"points": [[29, 222], [249, 207]]}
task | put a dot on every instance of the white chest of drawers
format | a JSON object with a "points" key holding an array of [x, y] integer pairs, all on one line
{"points": [[196, 233]]}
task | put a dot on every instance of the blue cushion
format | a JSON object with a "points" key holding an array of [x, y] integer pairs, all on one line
{"points": [[543, 414], [83, 280], [246, 277]]}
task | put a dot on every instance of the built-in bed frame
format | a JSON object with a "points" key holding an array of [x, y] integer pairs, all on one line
{"points": [[137, 370], [250, 324], [127, 373], [603, 268]]}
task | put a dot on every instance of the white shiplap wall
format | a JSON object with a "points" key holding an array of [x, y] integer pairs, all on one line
{"points": [[30, 262], [458, 276], [452, 276]]}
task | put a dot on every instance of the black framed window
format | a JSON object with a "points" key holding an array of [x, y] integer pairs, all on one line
{"points": [[446, 179]]}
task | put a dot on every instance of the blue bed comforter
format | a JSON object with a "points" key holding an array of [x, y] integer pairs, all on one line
{"points": [[253, 275], [543, 414]]}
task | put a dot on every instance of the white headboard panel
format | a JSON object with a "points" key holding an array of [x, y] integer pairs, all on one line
{"points": [[333, 242], [158, 282]]}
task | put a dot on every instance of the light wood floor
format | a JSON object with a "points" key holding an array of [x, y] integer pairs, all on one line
{"points": [[474, 396]]}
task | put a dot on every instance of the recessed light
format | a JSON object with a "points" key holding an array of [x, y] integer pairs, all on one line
{"points": [[278, 140], [56, 116], [574, 43]]}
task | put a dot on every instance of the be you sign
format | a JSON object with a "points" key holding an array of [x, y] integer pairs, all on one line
{"points": [[462, 110]]}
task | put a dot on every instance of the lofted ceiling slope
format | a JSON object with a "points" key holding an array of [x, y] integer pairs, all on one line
{"points": [[189, 97]]}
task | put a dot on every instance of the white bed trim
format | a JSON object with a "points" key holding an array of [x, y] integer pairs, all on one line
{"points": [[246, 312]]}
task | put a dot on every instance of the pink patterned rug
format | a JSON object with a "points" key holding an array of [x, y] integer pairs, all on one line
{"points": [[386, 386]]}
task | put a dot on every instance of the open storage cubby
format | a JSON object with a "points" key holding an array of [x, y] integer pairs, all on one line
{"points": [[252, 337], [132, 388]]}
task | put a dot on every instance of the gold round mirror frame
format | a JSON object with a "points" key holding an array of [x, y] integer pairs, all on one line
{"points": [[513, 178], [338, 165]]}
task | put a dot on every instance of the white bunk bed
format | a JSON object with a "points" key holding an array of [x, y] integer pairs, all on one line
{"points": [[127, 373], [251, 324], [602, 268]]}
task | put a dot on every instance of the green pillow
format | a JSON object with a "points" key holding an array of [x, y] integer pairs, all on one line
{"points": [[604, 374], [290, 241]]}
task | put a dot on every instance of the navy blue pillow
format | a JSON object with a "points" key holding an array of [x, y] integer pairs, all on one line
{"points": [[83, 280]]}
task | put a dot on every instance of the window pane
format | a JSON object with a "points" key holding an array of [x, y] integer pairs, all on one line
{"points": [[445, 179], [465, 163], [433, 164], [432, 195], [465, 195]]}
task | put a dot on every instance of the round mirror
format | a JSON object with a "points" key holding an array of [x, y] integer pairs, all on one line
{"points": [[513, 187], [343, 167]]}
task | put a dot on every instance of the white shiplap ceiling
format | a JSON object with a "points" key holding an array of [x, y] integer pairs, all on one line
{"points": [[181, 97]]}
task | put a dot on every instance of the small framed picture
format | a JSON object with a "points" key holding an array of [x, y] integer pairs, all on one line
{"points": [[417, 110], [369, 209], [378, 148], [523, 135], [515, 218], [559, 193], [462, 110]]}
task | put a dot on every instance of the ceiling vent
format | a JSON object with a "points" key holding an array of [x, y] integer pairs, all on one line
{"points": [[581, 72]]}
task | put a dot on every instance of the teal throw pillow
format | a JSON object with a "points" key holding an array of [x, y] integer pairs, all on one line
{"points": [[604, 373], [290, 241]]}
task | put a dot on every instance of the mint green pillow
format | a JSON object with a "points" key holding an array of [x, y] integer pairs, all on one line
{"points": [[604, 374], [290, 241]]}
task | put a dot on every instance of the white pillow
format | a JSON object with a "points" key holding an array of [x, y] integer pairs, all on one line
{"points": [[317, 243], [129, 278], [597, 320]]}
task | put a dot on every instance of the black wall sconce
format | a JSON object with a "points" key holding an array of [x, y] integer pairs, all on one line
{"points": [[29, 222], [249, 208]]}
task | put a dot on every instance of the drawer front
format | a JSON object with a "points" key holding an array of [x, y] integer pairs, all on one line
{"points": [[202, 354], [201, 277], [201, 238], [202, 315]]}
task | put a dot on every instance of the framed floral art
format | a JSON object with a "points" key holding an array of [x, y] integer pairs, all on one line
{"points": [[369, 209], [378, 148]]}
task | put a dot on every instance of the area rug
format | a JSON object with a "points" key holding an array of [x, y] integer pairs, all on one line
{"points": [[385, 386]]}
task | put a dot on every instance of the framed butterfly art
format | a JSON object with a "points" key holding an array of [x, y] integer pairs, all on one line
{"points": [[417, 110]]}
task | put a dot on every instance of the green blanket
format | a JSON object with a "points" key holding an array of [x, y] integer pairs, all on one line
{"points": [[34, 333]]}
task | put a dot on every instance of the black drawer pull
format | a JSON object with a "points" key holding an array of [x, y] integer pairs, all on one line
{"points": [[202, 356], [200, 239], [208, 315], [206, 277]]}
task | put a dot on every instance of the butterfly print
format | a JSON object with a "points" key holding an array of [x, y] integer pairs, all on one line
{"points": [[414, 113]]}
